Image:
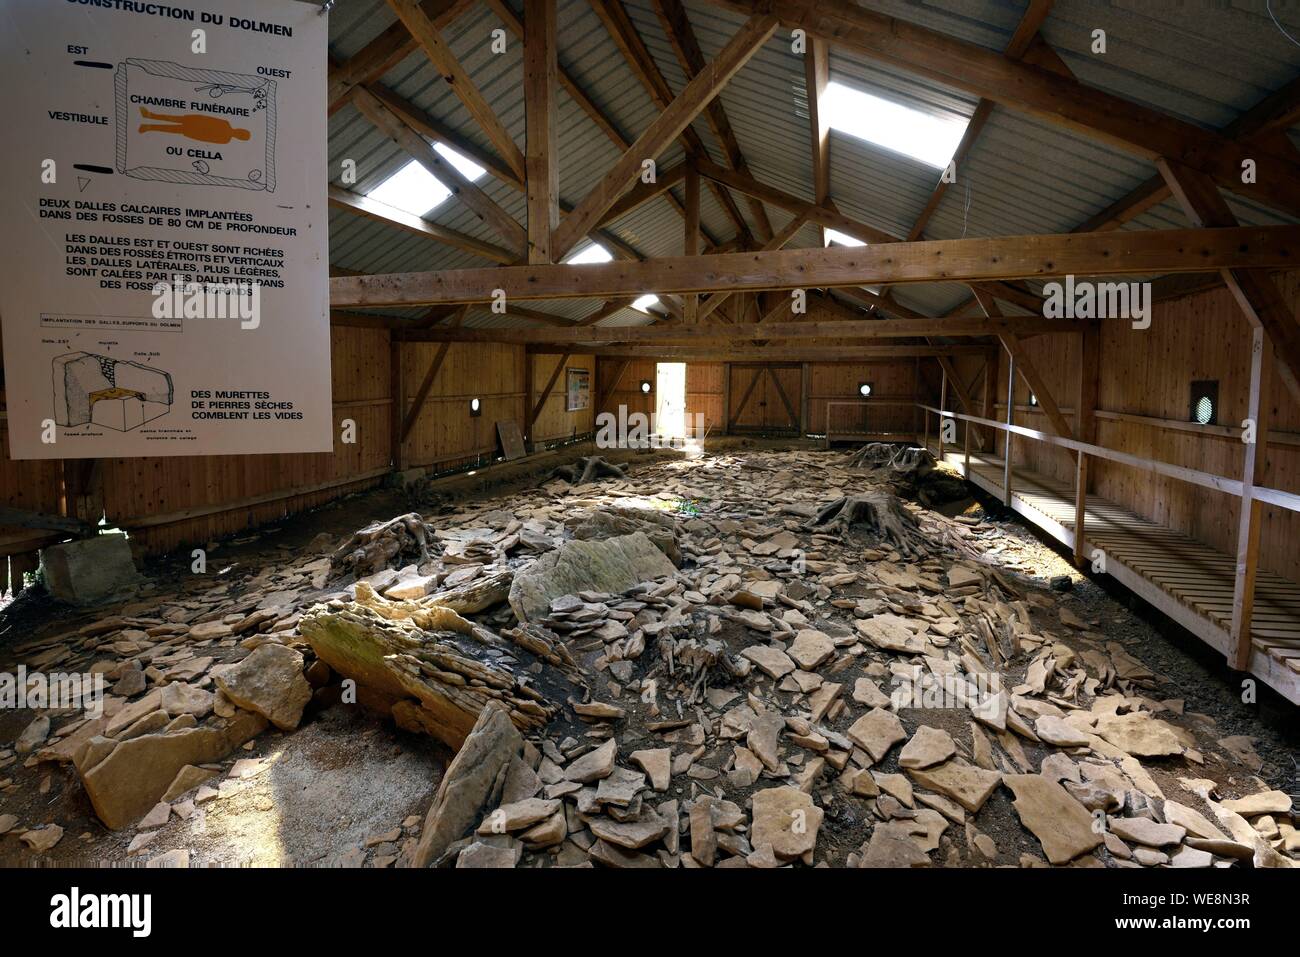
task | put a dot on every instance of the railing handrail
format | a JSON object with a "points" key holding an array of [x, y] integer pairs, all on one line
{"points": [[1287, 500]]}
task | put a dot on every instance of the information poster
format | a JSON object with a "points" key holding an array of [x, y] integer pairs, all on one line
{"points": [[164, 275], [577, 389]]}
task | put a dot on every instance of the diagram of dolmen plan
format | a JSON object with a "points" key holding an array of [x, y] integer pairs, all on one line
{"points": [[179, 124], [113, 393]]}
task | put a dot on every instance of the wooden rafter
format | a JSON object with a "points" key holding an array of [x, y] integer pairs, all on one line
{"points": [[663, 130], [1254, 289], [642, 63], [1042, 93], [439, 53], [384, 52], [677, 25], [817, 75], [787, 233], [460, 185], [381, 212]]}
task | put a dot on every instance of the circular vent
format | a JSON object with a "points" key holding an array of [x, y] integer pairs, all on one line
{"points": [[1204, 410]]}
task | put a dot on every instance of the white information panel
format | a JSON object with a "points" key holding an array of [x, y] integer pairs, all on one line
{"points": [[164, 261]]}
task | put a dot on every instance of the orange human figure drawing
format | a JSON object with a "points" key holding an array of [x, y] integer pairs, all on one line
{"points": [[194, 126]]}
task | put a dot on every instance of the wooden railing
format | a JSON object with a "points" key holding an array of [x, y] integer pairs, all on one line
{"points": [[1244, 585]]}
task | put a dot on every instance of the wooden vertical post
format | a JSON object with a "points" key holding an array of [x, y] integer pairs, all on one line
{"points": [[1085, 425], [943, 407], [966, 452], [726, 398], [397, 409], [990, 383], [691, 240], [805, 382], [541, 163], [525, 420], [1252, 473], [1011, 419]]}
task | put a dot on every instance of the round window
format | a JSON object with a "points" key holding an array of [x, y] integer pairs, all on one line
{"points": [[1204, 410]]}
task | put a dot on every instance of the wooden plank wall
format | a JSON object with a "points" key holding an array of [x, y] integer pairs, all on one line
{"points": [[1149, 373], [553, 422], [165, 490], [890, 381], [628, 391], [705, 382], [445, 434]]}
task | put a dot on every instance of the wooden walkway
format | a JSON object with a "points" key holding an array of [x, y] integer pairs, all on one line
{"points": [[1182, 577]]}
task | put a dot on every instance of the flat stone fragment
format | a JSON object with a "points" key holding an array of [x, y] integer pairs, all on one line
{"points": [[810, 648], [929, 746], [1142, 735], [1265, 802], [1143, 830], [1059, 732], [630, 834], [968, 785], [480, 855], [787, 819], [891, 845], [593, 765], [1062, 825], [773, 662], [876, 732], [519, 815], [657, 764], [269, 682]]}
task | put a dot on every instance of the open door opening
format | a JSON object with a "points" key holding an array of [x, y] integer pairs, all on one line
{"points": [[670, 401]]}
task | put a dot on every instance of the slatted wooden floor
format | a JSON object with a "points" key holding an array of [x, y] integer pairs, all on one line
{"points": [[1194, 581]]}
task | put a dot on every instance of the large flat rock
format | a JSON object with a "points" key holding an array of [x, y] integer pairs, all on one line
{"points": [[608, 565]]}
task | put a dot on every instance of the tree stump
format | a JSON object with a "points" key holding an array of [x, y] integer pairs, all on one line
{"points": [[402, 540], [587, 469], [881, 514], [432, 668]]}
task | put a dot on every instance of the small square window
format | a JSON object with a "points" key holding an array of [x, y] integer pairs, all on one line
{"points": [[1204, 405]]}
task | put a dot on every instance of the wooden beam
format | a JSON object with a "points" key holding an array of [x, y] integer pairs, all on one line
{"points": [[1248, 523], [821, 215], [959, 390], [540, 71], [413, 413], [1038, 92], [642, 193], [26, 518], [384, 52], [461, 186], [392, 216], [641, 61], [805, 329], [677, 26], [983, 110], [1042, 390], [691, 240], [785, 399], [1254, 289], [787, 233], [665, 128], [749, 390], [546, 392], [817, 75], [609, 389], [1085, 409], [439, 53], [954, 260]]}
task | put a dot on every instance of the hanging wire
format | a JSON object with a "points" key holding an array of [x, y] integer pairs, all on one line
{"points": [[965, 212], [1268, 5], [325, 7]]}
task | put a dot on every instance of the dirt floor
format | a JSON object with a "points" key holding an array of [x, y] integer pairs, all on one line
{"points": [[347, 788]]}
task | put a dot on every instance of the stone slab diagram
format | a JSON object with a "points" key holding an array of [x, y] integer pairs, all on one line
{"points": [[113, 393]]}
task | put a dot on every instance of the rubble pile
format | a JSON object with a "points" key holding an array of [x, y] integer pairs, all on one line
{"points": [[760, 659]]}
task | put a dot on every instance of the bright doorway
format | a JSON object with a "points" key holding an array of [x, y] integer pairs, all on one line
{"points": [[670, 400]]}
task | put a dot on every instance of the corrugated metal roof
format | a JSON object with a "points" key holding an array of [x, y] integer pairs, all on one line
{"points": [[1205, 64]]}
